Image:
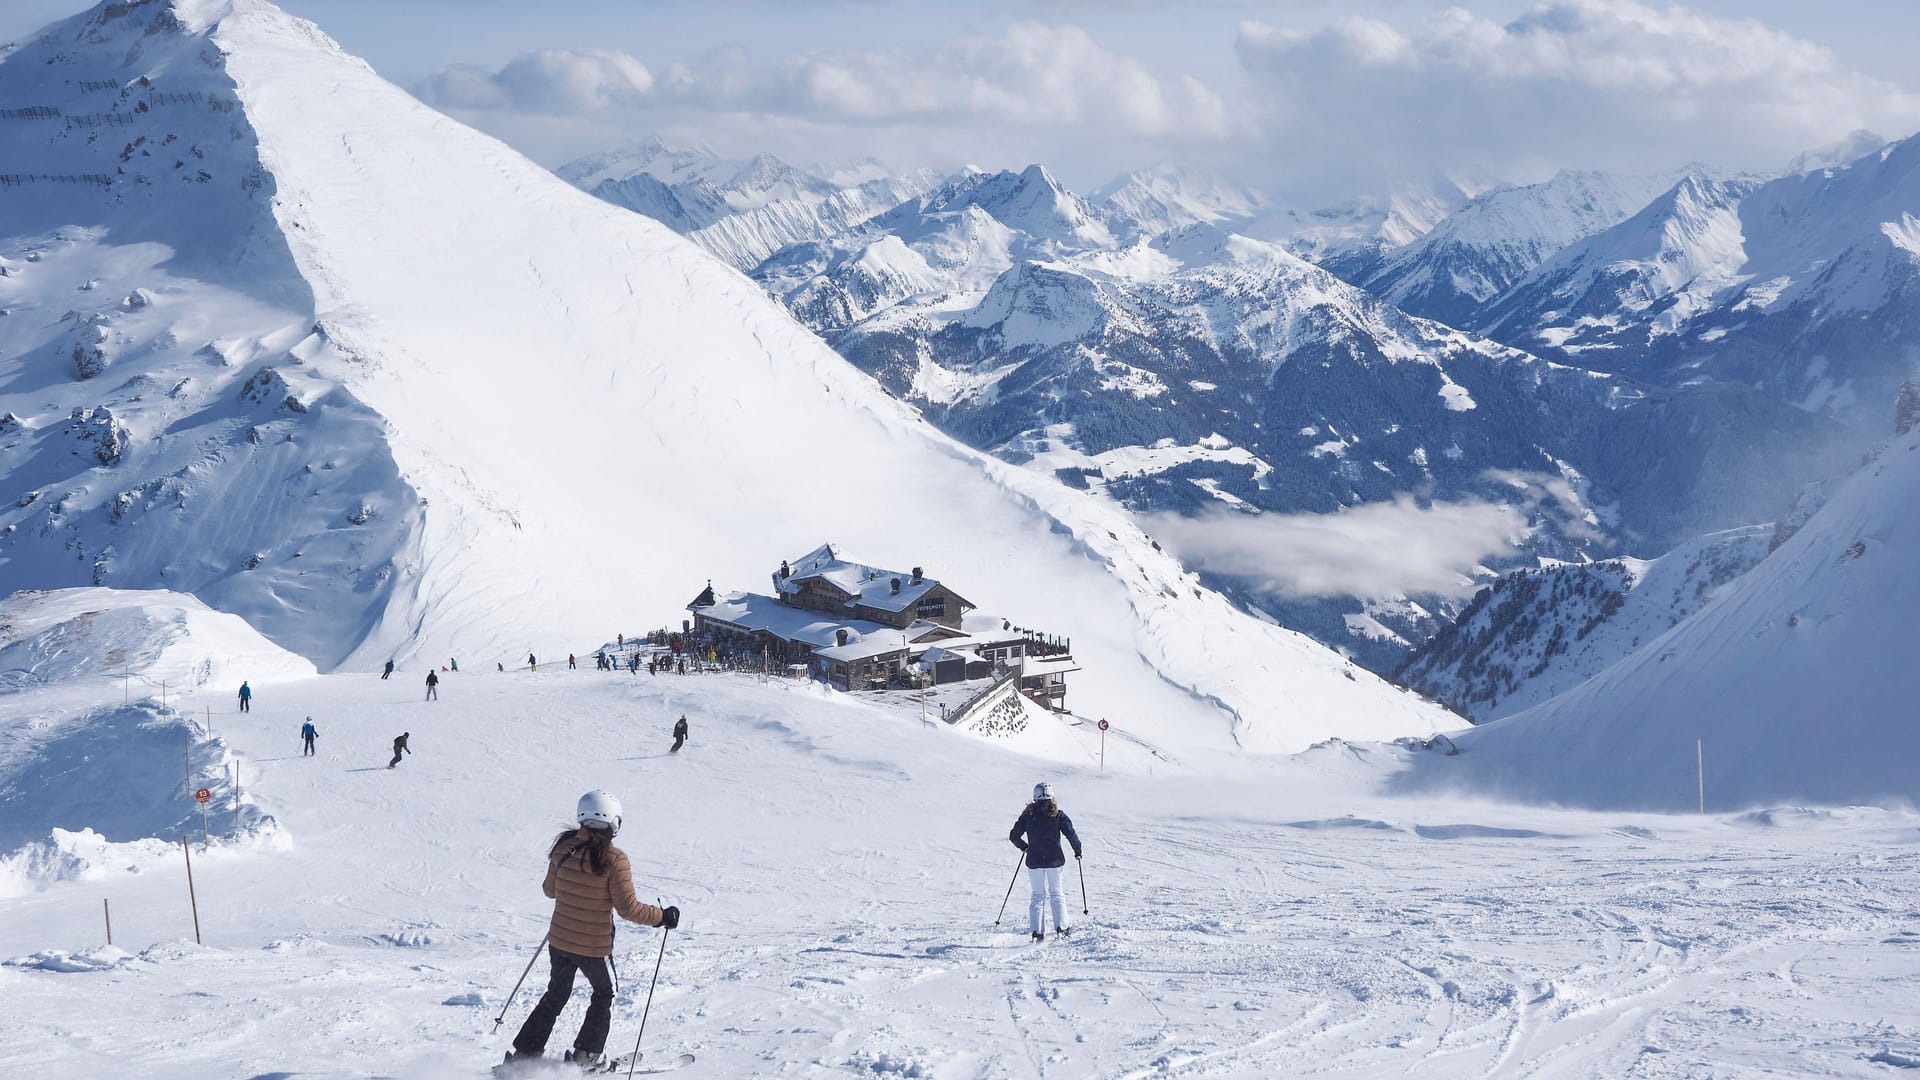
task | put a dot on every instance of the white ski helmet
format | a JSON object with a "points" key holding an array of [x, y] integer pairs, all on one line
{"points": [[599, 810], [1042, 793]]}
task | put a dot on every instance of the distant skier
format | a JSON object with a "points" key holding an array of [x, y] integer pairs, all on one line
{"points": [[679, 736], [308, 733], [399, 747], [569, 661], [1038, 834], [246, 697], [384, 675], [621, 641], [433, 686], [653, 668], [453, 663], [589, 880], [633, 664], [532, 664], [683, 663]]}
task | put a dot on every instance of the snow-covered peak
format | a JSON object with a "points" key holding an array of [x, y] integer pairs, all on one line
{"points": [[1030, 201], [1845, 151], [1152, 201]]}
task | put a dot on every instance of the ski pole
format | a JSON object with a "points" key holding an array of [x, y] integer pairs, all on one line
{"points": [[1009, 896], [516, 986], [1083, 883], [635, 1059]]}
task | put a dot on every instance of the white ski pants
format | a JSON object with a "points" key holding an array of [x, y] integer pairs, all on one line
{"points": [[1046, 890]]}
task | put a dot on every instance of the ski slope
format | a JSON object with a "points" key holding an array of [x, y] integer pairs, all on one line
{"points": [[839, 867]]}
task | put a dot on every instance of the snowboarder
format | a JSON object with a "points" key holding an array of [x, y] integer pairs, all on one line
{"points": [[589, 880], [308, 733], [384, 675], [246, 697], [1038, 834], [569, 661], [532, 664], [433, 686], [399, 747], [679, 736]]}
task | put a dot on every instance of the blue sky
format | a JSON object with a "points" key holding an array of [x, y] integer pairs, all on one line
{"points": [[1312, 97]]}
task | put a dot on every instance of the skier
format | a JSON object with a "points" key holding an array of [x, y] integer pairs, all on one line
{"points": [[652, 667], [679, 736], [621, 641], [532, 664], [633, 664], [1038, 834], [246, 697], [683, 663], [569, 661], [399, 747], [385, 674], [452, 663], [433, 685], [589, 880], [308, 733]]}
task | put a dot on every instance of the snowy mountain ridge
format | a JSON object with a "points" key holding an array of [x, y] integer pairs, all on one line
{"points": [[741, 211], [1538, 633]]}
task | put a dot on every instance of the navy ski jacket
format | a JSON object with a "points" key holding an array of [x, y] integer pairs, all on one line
{"points": [[1039, 836]]}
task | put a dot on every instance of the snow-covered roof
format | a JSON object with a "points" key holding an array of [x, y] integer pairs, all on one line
{"points": [[751, 611], [866, 648], [1057, 665], [868, 586]]}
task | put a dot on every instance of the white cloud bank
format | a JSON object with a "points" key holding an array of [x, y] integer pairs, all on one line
{"points": [[1616, 84], [1376, 551], [1051, 81]]}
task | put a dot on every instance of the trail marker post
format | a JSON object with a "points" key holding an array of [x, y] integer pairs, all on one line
{"points": [[107, 910], [1103, 746], [203, 796], [193, 899], [1700, 767]]}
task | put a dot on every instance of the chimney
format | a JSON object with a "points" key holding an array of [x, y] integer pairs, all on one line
{"points": [[840, 637], [896, 586], [917, 575], [785, 570]]}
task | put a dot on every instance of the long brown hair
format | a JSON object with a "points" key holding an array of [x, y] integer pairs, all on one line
{"points": [[591, 845], [1042, 806]]}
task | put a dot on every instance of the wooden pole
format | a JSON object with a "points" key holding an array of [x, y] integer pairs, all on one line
{"points": [[1700, 765], [205, 840], [107, 910], [186, 751], [191, 897]]}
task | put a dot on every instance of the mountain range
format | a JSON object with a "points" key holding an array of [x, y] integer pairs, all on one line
{"points": [[384, 387]]}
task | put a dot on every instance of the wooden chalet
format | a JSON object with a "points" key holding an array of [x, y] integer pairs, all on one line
{"points": [[858, 627]]}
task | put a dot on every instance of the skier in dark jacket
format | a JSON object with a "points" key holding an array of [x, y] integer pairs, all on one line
{"points": [[399, 747], [308, 733], [1038, 833], [388, 672], [679, 736], [433, 685], [532, 664], [246, 697], [570, 664]]}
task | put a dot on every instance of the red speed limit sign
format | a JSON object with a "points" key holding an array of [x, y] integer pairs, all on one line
{"points": [[1103, 725], [203, 795]]}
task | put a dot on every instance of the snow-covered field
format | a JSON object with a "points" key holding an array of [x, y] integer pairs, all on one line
{"points": [[840, 866]]}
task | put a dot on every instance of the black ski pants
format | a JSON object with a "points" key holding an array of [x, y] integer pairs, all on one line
{"points": [[593, 1030], [308, 739], [678, 742], [246, 704]]}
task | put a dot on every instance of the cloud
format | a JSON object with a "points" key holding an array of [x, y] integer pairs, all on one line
{"points": [[557, 82], [1597, 83], [1376, 551], [1038, 87]]}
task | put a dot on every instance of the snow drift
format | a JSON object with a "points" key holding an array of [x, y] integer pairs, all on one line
{"points": [[455, 407]]}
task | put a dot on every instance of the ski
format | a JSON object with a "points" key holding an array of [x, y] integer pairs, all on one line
{"points": [[619, 1066]]}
